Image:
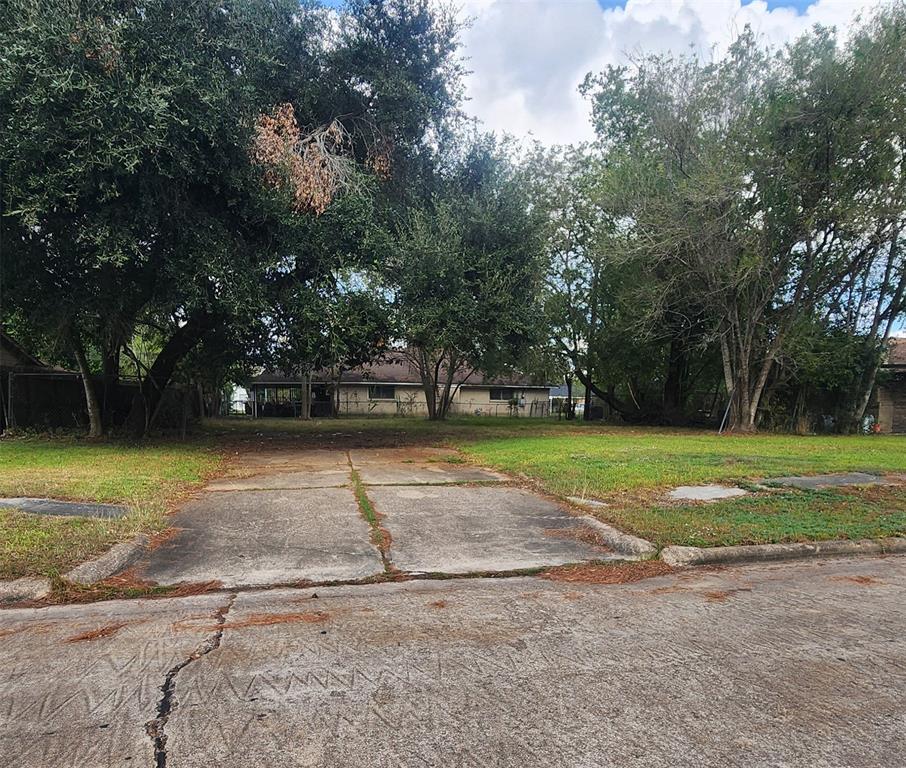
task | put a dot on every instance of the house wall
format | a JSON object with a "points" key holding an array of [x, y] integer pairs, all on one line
{"points": [[409, 400], [892, 406]]}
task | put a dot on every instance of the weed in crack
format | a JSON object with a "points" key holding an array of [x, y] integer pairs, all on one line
{"points": [[380, 536], [156, 728]]}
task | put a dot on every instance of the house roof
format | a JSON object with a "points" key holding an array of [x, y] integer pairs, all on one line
{"points": [[897, 356], [12, 355], [396, 368]]}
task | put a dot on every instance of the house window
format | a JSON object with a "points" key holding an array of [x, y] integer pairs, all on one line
{"points": [[504, 393], [381, 392]]}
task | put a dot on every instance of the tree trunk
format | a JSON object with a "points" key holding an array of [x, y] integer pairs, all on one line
{"points": [[305, 414], [675, 382], [335, 393], [894, 309], [146, 403], [111, 374], [428, 373], [586, 407], [447, 393], [95, 414], [570, 412]]}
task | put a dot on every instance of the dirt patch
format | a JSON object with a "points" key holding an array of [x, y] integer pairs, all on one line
{"points": [[254, 620], [158, 539], [438, 604], [580, 533], [269, 619], [668, 590], [721, 595], [381, 538], [607, 573], [125, 585], [867, 581], [108, 630]]}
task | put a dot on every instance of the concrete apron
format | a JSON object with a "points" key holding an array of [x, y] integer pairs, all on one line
{"points": [[284, 518], [796, 665]]}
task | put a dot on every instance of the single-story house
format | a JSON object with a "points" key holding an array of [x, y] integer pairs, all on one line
{"points": [[891, 394], [393, 387]]}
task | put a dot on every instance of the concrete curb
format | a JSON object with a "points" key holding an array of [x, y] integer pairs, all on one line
{"points": [[621, 542], [118, 557], [757, 553], [25, 588]]}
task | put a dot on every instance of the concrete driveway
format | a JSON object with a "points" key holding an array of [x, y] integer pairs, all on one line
{"points": [[800, 664], [285, 517]]}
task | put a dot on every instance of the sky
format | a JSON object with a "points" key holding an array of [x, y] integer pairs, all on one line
{"points": [[527, 57]]}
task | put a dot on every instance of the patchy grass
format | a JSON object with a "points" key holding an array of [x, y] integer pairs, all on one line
{"points": [[631, 468], [763, 519], [149, 479], [379, 431], [611, 461]]}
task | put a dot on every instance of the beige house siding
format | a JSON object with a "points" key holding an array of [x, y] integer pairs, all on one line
{"points": [[409, 400]]}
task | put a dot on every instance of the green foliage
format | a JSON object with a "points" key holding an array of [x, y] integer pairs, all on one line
{"points": [[463, 268], [763, 189], [131, 195]]}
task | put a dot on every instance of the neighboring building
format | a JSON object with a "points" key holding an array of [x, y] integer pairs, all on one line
{"points": [[30, 388], [393, 387], [34, 395], [891, 395]]}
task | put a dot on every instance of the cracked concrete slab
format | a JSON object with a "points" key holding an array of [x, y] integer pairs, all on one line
{"points": [[814, 482], [63, 508], [425, 474], [255, 538], [78, 683], [759, 666], [289, 459], [417, 466], [319, 478], [455, 529]]}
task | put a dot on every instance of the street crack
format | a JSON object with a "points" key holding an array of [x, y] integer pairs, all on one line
{"points": [[156, 728]]}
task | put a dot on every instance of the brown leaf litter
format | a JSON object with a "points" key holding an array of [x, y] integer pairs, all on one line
{"points": [[608, 573]]}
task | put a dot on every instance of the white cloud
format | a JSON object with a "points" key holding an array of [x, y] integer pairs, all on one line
{"points": [[528, 56]]}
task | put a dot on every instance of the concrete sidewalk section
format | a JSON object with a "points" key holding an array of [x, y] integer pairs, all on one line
{"points": [[839, 479], [255, 538], [452, 529], [58, 508], [287, 469]]}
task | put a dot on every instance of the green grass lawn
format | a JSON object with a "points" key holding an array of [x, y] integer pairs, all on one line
{"points": [[619, 460], [631, 468], [628, 468], [150, 479]]}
